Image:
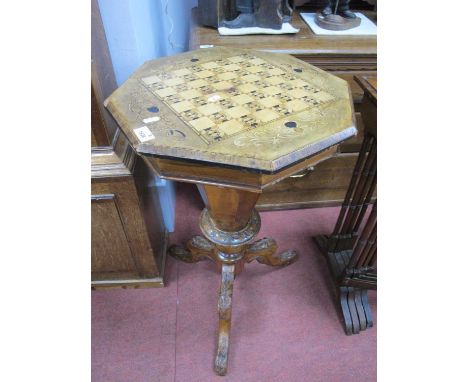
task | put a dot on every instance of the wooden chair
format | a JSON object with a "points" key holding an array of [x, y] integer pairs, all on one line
{"points": [[351, 250]]}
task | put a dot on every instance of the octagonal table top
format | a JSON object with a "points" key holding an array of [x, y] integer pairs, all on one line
{"points": [[233, 107]]}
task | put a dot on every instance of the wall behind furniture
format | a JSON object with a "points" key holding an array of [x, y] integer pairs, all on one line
{"points": [[142, 30]]}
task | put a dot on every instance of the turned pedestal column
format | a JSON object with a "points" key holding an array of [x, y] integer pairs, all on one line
{"points": [[229, 223]]}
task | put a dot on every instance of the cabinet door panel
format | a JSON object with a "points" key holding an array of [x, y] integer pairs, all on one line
{"points": [[111, 255]]}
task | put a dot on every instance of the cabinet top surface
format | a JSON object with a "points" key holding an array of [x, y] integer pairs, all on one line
{"points": [[234, 107], [305, 42]]}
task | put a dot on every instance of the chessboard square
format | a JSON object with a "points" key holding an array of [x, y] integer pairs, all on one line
{"points": [[223, 85], [201, 123], [269, 101], [174, 81], [182, 106], [274, 80], [298, 83], [271, 90], [227, 76], [231, 67], [255, 69], [250, 78], [275, 71], [181, 72], [197, 83], [322, 96], [231, 127], [236, 59], [296, 105], [209, 65], [247, 88], [210, 109], [189, 94], [215, 97], [204, 74], [242, 99], [165, 92], [299, 93], [266, 115], [236, 112], [151, 80], [257, 61]]}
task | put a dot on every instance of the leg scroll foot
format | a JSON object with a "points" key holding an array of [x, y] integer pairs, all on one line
{"points": [[263, 251], [224, 310], [198, 248]]}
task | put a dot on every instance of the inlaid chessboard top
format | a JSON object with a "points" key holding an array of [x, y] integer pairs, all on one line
{"points": [[234, 107]]}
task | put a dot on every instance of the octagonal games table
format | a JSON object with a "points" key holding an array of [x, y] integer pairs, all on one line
{"points": [[234, 121]]}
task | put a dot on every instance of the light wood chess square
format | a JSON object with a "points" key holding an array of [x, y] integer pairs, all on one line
{"points": [[191, 93], [250, 78], [227, 76], [298, 83], [197, 83], [247, 88], [182, 106], [271, 90], [242, 99], [299, 93], [266, 115], [269, 101], [255, 69], [209, 65], [296, 105], [165, 92], [204, 74], [231, 67], [236, 112], [174, 81], [201, 123], [223, 85], [181, 72], [274, 80], [231, 127], [210, 109]]}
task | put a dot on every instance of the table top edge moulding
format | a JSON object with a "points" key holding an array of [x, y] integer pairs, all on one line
{"points": [[260, 111]]}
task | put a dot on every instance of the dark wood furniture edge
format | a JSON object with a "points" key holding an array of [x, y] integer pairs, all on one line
{"points": [[352, 302]]}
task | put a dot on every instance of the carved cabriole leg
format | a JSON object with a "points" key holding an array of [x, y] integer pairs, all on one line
{"points": [[263, 251], [224, 311], [230, 222], [198, 249]]}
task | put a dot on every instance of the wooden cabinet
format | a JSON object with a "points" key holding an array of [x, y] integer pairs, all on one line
{"points": [[344, 56], [128, 237]]}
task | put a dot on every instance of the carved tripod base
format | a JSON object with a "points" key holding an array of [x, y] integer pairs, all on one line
{"points": [[230, 250], [353, 302]]}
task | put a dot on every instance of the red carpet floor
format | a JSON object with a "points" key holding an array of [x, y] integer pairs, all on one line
{"points": [[285, 322]]}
